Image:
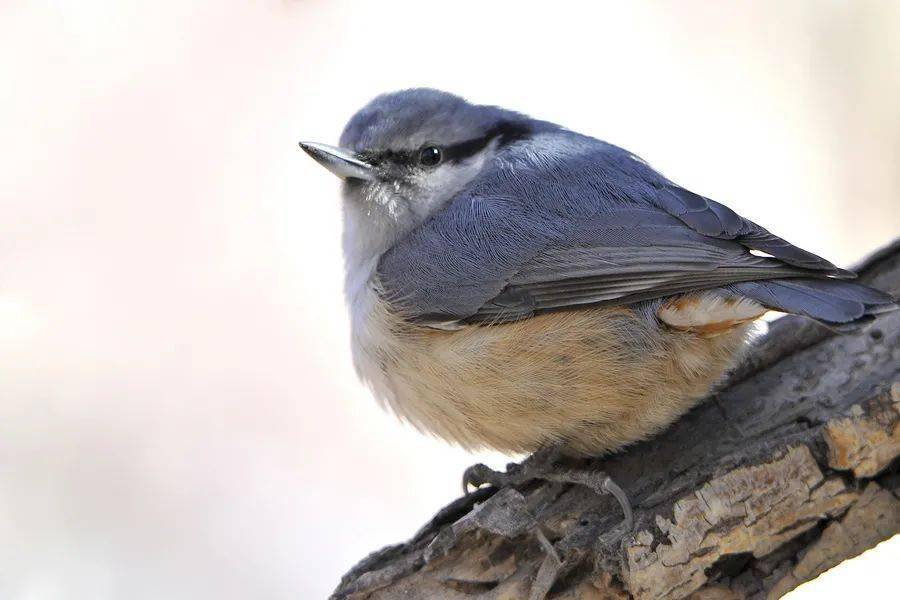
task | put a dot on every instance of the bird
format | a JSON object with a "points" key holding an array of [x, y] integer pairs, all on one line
{"points": [[518, 286]]}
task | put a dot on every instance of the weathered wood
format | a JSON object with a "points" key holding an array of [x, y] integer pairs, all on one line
{"points": [[784, 473]]}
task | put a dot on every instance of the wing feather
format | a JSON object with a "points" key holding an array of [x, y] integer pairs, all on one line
{"points": [[593, 228]]}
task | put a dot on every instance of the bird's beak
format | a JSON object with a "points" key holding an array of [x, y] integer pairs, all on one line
{"points": [[339, 161]]}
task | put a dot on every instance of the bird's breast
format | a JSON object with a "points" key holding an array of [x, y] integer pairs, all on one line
{"points": [[596, 378]]}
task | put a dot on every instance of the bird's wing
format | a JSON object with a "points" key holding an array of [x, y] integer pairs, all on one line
{"points": [[625, 257], [523, 242], [718, 221]]}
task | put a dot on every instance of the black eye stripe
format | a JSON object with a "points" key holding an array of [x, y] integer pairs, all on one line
{"points": [[505, 133], [399, 157], [467, 149]]}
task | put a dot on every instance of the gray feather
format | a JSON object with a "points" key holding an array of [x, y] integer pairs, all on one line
{"points": [[562, 220]]}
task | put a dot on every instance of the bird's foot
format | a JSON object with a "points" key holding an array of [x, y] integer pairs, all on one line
{"points": [[542, 465]]}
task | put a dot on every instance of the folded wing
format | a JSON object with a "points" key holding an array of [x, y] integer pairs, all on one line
{"points": [[626, 256], [531, 240]]}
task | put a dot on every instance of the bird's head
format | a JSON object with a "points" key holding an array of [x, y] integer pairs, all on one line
{"points": [[405, 154]]}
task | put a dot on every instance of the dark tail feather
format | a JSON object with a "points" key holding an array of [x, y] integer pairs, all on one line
{"points": [[837, 303]]}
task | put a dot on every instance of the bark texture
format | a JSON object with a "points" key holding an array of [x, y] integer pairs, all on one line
{"points": [[791, 468]]}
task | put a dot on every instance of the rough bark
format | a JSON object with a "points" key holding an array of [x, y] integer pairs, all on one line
{"points": [[788, 470]]}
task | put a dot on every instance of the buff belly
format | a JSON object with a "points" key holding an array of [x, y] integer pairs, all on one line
{"points": [[594, 379]]}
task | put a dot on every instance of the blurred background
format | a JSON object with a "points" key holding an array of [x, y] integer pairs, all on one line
{"points": [[179, 417]]}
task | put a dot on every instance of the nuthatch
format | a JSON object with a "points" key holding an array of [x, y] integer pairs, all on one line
{"points": [[518, 286]]}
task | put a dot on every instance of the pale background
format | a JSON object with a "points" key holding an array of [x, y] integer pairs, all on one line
{"points": [[178, 413]]}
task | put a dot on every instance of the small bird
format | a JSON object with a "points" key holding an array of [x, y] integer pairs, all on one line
{"points": [[519, 286]]}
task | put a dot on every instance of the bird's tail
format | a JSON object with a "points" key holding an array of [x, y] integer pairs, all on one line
{"points": [[839, 304]]}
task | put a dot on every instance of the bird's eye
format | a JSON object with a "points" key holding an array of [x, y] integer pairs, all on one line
{"points": [[430, 156]]}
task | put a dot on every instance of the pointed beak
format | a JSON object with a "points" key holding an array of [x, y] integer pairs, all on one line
{"points": [[339, 161]]}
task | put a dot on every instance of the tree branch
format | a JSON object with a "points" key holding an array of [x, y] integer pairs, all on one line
{"points": [[787, 471]]}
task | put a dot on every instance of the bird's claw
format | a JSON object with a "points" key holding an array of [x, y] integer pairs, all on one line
{"points": [[480, 474], [611, 487], [599, 482]]}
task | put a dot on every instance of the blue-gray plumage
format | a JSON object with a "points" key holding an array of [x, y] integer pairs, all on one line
{"points": [[515, 284], [601, 226]]}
